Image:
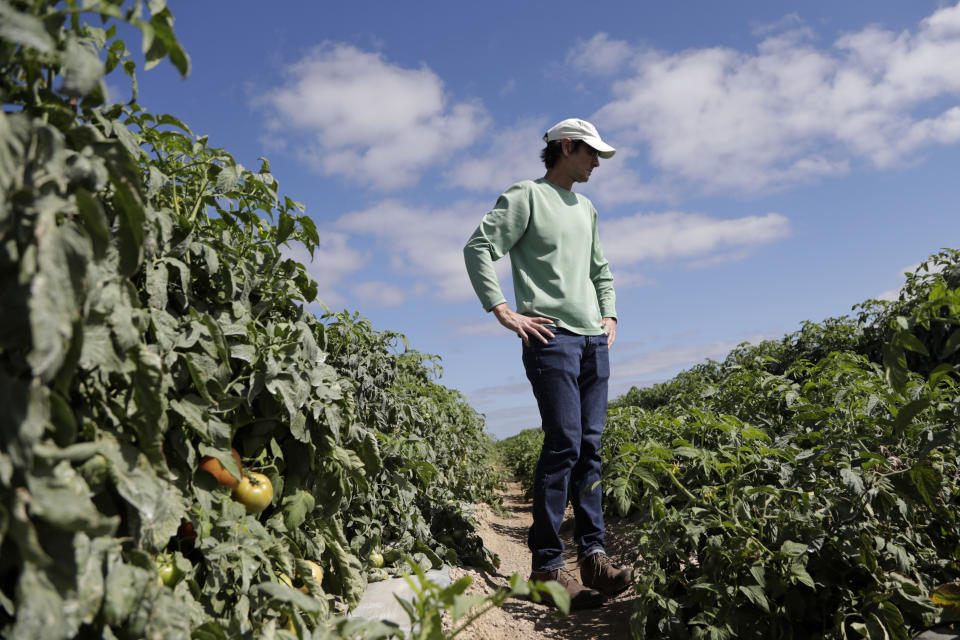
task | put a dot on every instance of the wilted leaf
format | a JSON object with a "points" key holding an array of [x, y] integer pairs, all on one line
{"points": [[946, 595]]}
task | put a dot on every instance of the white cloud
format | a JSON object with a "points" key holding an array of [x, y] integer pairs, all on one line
{"points": [[660, 236], [790, 111], [599, 54], [424, 243], [379, 294], [359, 116], [331, 262], [614, 182], [623, 279], [513, 155]]}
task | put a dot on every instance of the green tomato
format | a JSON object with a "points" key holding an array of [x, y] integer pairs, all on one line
{"points": [[168, 574], [254, 492], [376, 559]]}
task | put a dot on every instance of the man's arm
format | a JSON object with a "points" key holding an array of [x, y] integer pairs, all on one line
{"points": [[499, 230], [603, 283]]}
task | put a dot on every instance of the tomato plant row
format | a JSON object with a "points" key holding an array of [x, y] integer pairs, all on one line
{"points": [[186, 449], [806, 487]]}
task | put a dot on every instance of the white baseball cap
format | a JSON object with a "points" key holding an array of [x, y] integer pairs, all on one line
{"points": [[577, 129]]}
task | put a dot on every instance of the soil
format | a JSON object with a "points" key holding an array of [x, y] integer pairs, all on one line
{"points": [[506, 535]]}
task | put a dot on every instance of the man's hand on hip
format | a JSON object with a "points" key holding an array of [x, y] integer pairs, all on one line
{"points": [[611, 326], [523, 326]]}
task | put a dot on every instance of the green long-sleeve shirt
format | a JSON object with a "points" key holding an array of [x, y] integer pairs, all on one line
{"points": [[559, 271]]}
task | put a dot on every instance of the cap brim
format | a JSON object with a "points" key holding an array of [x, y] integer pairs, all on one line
{"points": [[603, 149]]}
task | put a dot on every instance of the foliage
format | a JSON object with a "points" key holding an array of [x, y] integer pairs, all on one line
{"points": [[518, 455], [150, 318], [803, 488]]}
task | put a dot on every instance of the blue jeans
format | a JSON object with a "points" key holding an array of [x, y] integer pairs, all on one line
{"points": [[569, 376]]}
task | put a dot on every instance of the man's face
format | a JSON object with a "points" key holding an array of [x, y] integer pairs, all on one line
{"points": [[582, 161]]}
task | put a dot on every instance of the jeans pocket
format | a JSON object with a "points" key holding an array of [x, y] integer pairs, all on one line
{"points": [[603, 358]]}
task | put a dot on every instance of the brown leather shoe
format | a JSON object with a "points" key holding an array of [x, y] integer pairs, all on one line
{"points": [[580, 596], [598, 572]]}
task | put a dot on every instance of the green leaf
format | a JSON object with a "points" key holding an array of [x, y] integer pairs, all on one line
{"points": [[519, 586], [895, 365], [913, 343], [759, 573], [283, 593], [159, 503], [798, 571], [852, 478], [875, 628], [893, 621], [559, 594], [94, 219], [794, 549], [927, 482], [82, 68], [125, 585], [296, 507], [951, 346], [55, 293], [90, 556], [162, 24], [130, 223], [284, 227], [227, 179], [908, 412], [40, 609], [463, 604], [23, 29], [61, 498], [168, 119], [756, 595]]}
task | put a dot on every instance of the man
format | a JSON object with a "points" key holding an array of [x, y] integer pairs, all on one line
{"points": [[567, 321]]}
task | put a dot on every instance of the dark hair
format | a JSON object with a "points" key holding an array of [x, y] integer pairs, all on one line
{"points": [[554, 150]]}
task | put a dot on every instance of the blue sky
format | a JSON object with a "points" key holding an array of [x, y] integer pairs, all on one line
{"points": [[776, 162]]}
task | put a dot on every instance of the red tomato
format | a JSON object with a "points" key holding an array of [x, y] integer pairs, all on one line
{"points": [[218, 471]]}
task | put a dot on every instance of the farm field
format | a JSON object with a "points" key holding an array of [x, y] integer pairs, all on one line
{"points": [[187, 451], [805, 487]]}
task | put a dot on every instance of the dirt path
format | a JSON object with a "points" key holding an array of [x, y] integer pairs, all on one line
{"points": [[523, 620]]}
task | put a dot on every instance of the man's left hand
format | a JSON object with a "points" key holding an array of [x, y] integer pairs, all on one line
{"points": [[611, 326]]}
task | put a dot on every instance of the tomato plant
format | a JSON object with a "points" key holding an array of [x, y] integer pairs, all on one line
{"points": [[151, 320]]}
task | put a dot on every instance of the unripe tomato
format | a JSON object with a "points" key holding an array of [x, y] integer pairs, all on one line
{"points": [[316, 571], [376, 559], [218, 471], [168, 573], [255, 492]]}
